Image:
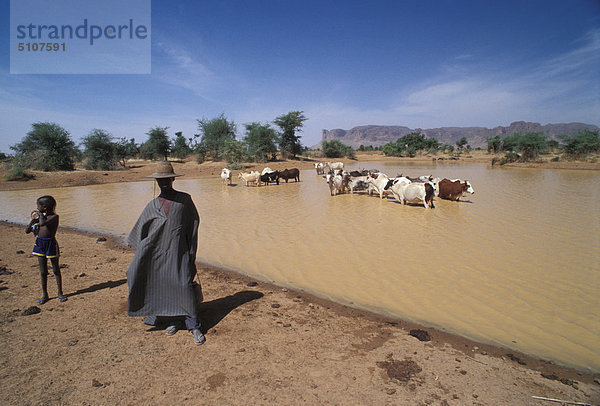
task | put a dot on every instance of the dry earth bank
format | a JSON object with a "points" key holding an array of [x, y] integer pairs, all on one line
{"points": [[266, 345]]}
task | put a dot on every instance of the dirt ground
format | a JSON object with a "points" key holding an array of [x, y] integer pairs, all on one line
{"points": [[265, 344], [136, 170]]}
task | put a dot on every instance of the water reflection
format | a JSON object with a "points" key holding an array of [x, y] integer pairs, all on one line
{"points": [[517, 261]]}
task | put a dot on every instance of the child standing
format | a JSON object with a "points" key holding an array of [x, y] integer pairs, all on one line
{"points": [[44, 224]]}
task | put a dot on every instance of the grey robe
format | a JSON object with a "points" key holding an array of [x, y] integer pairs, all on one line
{"points": [[161, 273]]}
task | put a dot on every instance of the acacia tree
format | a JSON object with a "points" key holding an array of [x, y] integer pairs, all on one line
{"points": [[584, 143], [180, 147], [47, 147], [125, 149], [158, 145], [461, 143], [290, 124], [261, 140], [215, 135], [532, 144], [100, 151]]}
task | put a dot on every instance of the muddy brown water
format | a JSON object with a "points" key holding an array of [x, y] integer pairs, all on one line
{"points": [[517, 264]]}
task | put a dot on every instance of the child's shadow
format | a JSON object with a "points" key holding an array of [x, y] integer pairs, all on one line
{"points": [[211, 313]]}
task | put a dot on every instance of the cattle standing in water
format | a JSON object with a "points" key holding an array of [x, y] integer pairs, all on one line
{"points": [[413, 192], [226, 176], [270, 177], [378, 183], [454, 189], [252, 177], [335, 183], [293, 173], [334, 166], [320, 168]]}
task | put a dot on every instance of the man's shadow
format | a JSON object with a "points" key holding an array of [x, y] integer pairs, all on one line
{"points": [[98, 286], [211, 313]]}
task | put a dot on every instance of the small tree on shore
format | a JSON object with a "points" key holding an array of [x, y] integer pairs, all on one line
{"points": [[215, 135], [584, 143], [291, 124], [125, 150], [100, 151], [158, 145], [47, 147], [336, 149], [180, 147], [261, 140]]}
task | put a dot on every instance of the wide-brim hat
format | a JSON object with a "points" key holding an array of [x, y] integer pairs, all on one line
{"points": [[164, 169]]}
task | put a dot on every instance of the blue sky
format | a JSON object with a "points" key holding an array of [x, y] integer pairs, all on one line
{"points": [[421, 64]]}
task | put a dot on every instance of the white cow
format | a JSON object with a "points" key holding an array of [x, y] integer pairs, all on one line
{"points": [[356, 182], [320, 168], [378, 184], [335, 182], [266, 170], [226, 176], [414, 192], [251, 177], [334, 166]]}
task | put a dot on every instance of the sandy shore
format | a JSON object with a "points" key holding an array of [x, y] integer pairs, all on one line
{"points": [[266, 345]]}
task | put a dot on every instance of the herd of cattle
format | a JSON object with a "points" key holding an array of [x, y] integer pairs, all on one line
{"points": [[405, 189]]}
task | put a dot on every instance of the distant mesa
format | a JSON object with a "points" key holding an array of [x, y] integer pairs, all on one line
{"points": [[378, 135]]}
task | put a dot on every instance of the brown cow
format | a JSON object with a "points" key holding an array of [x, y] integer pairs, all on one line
{"points": [[454, 189], [293, 173]]}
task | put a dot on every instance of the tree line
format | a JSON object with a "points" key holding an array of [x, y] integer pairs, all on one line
{"points": [[49, 147]]}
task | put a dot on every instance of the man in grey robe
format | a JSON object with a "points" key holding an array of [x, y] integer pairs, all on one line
{"points": [[161, 274]]}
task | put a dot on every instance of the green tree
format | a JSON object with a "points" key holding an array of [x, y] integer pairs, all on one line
{"points": [[234, 151], [215, 134], [290, 123], [531, 145], [462, 142], [261, 140], [99, 151], [584, 143], [125, 150], [158, 144], [494, 144], [47, 147], [336, 149], [510, 142], [180, 147]]}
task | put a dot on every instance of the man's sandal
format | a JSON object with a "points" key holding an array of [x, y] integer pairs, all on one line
{"points": [[62, 298], [171, 330], [43, 300], [199, 338]]}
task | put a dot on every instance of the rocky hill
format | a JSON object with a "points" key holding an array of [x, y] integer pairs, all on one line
{"points": [[377, 135]]}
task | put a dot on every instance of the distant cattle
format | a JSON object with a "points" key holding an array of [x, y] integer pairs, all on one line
{"points": [[454, 189], [266, 170], [226, 176], [320, 168], [252, 177], [334, 166], [293, 173], [270, 177]]}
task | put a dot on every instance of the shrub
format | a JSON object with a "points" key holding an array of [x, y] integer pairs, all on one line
{"points": [[17, 170], [336, 149], [582, 144]]}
